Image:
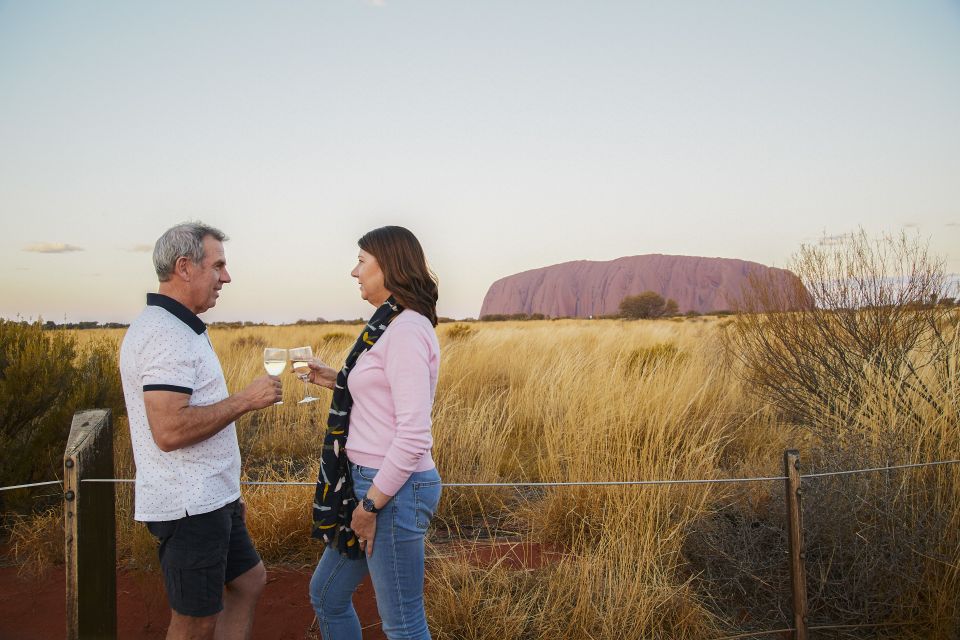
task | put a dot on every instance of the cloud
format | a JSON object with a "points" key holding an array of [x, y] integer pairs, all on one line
{"points": [[52, 247], [141, 248], [911, 225], [953, 224], [376, 3]]}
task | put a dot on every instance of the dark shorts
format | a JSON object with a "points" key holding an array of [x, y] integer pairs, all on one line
{"points": [[201, 553]]}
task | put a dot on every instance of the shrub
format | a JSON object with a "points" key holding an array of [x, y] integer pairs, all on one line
{"points": [[847, 328], [852, 353], [880, 549], [248, 342], [460, 331], [648, 304], [44, 378]]}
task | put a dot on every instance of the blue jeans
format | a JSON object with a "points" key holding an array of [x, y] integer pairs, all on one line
{"points": [[395, 568]]}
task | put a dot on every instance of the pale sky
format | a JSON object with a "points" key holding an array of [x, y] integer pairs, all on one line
{"points": [[507, 135]]}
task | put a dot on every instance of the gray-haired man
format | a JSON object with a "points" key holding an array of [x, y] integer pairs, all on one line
{"points": [[185, 444]]}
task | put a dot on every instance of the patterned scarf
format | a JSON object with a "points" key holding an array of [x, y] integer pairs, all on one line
{"points": [[334, 501]]}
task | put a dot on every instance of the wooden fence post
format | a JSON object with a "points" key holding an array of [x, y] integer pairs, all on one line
{"points": [[798, 572], [88, 512]]}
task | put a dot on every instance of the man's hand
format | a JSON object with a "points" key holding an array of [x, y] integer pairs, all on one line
{"points": [[262, 392], [321, 374]]}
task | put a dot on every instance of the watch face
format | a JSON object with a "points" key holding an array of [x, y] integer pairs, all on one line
{"points": [[368, 505]]}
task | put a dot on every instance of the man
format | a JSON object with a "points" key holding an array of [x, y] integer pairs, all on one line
{"points": [[185, 444]]}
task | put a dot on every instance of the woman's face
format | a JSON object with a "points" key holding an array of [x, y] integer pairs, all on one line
{"points": [[370, 276]]}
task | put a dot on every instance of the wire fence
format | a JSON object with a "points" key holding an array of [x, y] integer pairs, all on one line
{"points": [[31, 485], [756, 633], [599, 483]]}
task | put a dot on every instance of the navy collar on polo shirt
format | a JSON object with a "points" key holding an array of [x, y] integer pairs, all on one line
{"points": [[188, 317]]}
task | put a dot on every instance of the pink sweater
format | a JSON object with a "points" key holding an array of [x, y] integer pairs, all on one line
{"points": [[393, 384]]}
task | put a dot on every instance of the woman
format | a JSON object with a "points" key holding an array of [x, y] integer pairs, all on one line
{"points": [[376, 452]]}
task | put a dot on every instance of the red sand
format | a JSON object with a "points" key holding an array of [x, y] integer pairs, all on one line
{"points": [[35, 609]]}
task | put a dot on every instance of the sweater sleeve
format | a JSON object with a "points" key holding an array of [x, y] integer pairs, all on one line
{"points": [[407, 368]]}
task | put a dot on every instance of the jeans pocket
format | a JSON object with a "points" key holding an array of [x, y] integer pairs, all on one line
{"points": [[426, 497], [361, 483], [364, 472]]}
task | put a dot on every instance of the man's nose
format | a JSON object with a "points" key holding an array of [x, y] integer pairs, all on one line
{"points": [[224, 276]]}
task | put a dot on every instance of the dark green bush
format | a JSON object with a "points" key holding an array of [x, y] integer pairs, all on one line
{"points": [[648, 304], [44, 378]]}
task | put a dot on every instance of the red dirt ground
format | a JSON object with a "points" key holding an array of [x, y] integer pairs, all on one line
{"points": [[35, 609]]}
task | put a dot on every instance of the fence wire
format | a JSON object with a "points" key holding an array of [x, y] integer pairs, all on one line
{"points": [[600, 483], [31, 485]]}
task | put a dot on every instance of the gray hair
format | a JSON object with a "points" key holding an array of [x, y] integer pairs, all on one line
{"points": [[183, 240]]}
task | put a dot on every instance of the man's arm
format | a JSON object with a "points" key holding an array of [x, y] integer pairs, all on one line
{"points": [[175, 424]]}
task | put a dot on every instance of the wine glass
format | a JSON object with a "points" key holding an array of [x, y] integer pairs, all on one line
{"points": [[275, 361], [300, 357]]}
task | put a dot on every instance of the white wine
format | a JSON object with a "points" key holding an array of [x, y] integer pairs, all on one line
{"points": [[275, 367], [300, 357], [300, 367]]}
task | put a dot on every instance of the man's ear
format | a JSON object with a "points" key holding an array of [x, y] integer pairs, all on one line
{"points": [[183, 267]]}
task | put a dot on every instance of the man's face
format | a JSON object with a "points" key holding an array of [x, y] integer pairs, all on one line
{"points": [[208, 277]]}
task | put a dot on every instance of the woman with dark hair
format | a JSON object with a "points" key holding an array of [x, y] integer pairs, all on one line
{"points": [[378, 486]]}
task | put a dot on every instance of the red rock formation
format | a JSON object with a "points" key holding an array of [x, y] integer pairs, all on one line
{"points": [[586, 288]]}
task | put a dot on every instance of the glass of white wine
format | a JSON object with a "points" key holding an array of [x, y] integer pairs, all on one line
{"points": [[300, 357], [275, 361]]}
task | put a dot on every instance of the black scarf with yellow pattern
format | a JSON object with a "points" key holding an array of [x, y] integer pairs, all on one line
{"points": [[334, 501]]}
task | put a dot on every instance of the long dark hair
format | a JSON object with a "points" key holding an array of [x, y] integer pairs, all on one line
{"points": [[405, 271]]}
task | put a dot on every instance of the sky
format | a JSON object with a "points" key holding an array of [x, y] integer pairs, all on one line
{"points": [[506, 135]]}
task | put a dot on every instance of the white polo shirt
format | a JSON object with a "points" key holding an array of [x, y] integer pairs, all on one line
{"points": [[167, 348]]}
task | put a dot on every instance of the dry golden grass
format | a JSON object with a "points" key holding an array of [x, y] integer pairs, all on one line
{"points": [[37, 542], [551, 401]]}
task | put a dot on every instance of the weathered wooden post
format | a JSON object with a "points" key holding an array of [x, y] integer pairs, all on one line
{"points": [[88, 513], [798, 572]]}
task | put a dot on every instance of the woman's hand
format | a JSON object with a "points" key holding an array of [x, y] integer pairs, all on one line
{"points": [[321, 374], [364, 524]]}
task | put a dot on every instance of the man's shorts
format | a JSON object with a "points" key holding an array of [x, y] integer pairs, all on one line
{"points": [[199, 554]]}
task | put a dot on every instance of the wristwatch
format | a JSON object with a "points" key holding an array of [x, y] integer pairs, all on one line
{"points": [[369, 506]]}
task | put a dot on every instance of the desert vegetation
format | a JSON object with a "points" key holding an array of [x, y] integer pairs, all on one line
{"points": [[579, 400], [648, 304]]}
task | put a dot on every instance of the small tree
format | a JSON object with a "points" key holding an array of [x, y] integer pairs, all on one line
{"points": [[648, 304], [855, 351], [855, 325]]}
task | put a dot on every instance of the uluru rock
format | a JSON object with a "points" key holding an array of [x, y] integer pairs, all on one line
{"points": [[587, 288]]}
